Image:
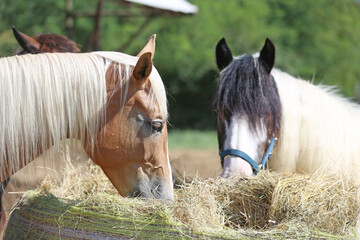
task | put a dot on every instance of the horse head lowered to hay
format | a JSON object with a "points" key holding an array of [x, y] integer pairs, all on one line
{"points": [[259, 108], [114, 103]]}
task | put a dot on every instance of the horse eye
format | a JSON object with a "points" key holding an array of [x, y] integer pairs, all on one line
{"points": [[157, 126]]}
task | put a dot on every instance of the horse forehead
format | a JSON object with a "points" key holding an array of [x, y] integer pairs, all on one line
{"points": [[144, 99], [51, 42], [51, 38], [240, 56]]}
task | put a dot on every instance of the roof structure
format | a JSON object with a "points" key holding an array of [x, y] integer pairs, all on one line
{"points": [[148, 9], [178, 6]]}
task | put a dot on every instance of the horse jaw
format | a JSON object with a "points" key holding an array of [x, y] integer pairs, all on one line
{"points": [[240, 136]]}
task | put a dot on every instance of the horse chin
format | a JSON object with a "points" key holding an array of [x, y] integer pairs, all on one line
{"points": [[234, 166], [152, 186]]}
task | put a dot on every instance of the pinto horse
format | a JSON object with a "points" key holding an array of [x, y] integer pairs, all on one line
{"points": [[114, 103], [259, 108]]}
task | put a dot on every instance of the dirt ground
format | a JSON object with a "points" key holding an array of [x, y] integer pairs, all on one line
{"points": [[186, 165], [195, 163]]}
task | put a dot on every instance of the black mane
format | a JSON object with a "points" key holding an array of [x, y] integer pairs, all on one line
{"points": [[247, 90]]}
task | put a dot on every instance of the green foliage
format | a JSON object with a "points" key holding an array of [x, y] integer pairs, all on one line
{"points": [[314, 40], [33, 16]]}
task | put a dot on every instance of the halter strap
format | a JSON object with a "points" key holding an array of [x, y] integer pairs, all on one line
{"points": [[247, 158]]}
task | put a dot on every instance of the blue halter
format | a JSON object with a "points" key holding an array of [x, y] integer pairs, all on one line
{"points": [[241, 154]]}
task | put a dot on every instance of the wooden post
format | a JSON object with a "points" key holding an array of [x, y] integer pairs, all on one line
{"points": [[69, 21], [95, 36]]}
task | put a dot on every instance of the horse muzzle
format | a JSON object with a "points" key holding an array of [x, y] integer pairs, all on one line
{"points": [[153, 189], [234, 166], [236, 162]]}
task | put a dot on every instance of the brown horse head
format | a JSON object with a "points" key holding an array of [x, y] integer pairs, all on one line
{"points": [[44, 43], [115, 103], [133, 145]]}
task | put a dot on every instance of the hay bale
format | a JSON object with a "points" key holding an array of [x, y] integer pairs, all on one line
{"points": [[41, 215], [268, 206], [328, 202], [249, 199], [323, 201]]}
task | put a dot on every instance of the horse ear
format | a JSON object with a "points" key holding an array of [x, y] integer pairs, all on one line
{"points": [[149, 47], [143, 69], [223, 54], [29, 44], [267, 55]]}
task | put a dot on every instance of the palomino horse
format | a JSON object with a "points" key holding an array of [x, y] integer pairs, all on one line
{"points": [[256, 104], [114, 103], [38, 44]]}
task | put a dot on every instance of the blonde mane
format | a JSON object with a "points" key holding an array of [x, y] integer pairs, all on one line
{"points": [[45, 97], [319, 129]]}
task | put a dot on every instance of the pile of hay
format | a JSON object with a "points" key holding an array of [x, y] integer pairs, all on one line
{"points": [[268, 206]]}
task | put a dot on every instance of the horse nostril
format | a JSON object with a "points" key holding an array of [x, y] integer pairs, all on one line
{"points": [[140, 194]]}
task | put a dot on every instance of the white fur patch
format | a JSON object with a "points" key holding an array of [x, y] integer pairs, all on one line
{"points": [[319, 129], [240, 136]]}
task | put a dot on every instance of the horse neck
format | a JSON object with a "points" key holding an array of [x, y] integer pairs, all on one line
{"points": [[319, 128], [67, 100]]}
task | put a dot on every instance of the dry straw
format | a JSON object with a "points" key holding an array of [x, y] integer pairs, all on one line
{"points": [[269, 206]]}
